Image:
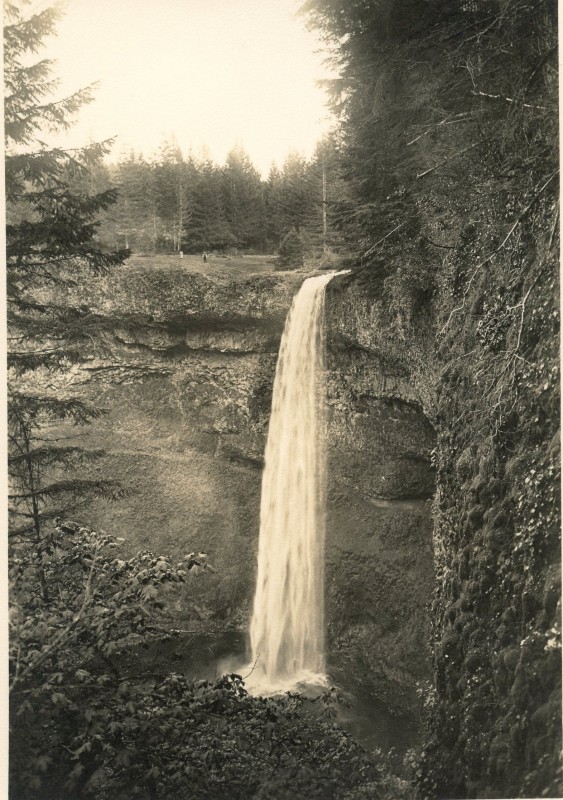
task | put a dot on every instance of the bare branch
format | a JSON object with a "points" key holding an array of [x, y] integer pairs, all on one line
{"points": [[500, 247], [464, 116], [507, 99], [372, 248], [445, 161], [554, 227]]}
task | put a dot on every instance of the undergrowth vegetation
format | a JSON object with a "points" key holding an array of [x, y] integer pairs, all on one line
{"points": [[85, 727]]}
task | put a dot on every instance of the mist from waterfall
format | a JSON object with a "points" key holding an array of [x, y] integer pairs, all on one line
{"points": [[287, 626]]}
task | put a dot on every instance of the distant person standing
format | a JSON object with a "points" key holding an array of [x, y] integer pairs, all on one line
{"points": [[204, 258]]}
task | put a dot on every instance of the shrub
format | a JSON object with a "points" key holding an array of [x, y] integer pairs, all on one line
{"points": [[81, 728]]}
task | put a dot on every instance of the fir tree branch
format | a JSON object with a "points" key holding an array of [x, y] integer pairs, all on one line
{"points": [[47, 455], [102, 488]]}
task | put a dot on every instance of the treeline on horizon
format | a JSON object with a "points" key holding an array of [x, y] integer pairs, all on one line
{"points": [[170, 202]]}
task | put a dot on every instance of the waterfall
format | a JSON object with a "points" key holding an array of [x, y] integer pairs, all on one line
{"points": [[287, 626]]}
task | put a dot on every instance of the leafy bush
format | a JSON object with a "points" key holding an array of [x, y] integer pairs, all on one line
{"points": [[82, 728]]}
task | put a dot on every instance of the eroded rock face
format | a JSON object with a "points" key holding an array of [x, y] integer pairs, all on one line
{"points": [[181, 300], [187, 376], [379, 541]]}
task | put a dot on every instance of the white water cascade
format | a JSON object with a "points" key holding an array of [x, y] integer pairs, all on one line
{"points": [[287, 626]]}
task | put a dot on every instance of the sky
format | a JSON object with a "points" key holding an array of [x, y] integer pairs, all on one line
{"points": [[211, 73]]}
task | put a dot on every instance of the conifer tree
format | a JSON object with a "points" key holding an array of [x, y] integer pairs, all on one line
{"points": [[50, 246], [134, 211], [291, 252], [330, 201], [272, 203], [243, 200], [174, 180], [209, 228], [295, 193]]}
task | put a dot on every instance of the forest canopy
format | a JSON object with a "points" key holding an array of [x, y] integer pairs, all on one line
{"points": [[173, 202]]}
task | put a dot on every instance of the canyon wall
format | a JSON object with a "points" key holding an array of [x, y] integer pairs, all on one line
{"points": [[483, 365], [381, 483], [187, 374]]}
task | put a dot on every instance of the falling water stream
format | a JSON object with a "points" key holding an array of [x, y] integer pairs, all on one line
{"points": [[287, 626]]}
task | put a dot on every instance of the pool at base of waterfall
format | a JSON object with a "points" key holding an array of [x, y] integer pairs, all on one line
{"points": [[366, 718], [258, 683], [362, 715]]}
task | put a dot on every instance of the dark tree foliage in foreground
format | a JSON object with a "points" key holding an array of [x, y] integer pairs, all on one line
{"points": [[85, 727], [50, 245]]}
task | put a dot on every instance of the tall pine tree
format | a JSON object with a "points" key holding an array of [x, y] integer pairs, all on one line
{"points": [[209, 228], [243, 200], [134, 212], [173, 187], [50, 246]]}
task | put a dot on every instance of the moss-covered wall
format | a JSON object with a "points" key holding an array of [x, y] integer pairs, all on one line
{"points": [[495, 728], [480, 355]]}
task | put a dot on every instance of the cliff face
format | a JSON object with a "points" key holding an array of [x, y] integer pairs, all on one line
{"points": [[443, 534], [483, 366], [187, 376], [379, 546]]}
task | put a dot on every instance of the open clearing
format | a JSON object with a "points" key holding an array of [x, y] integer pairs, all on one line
{"points": [[216, 266]]}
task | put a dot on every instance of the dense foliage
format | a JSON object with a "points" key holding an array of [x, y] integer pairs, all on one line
{"points": [[172, 202], [85, 726], [449, 142], [431, 93]]}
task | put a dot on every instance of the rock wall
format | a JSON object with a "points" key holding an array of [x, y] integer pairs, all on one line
{"points": [[381, 483], [483, 366], [187, 376]]}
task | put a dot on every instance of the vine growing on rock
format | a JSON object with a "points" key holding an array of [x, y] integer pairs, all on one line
{"points": [[448, 121]]}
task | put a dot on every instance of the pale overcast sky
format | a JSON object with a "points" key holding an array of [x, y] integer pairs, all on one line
{"points": [[212, 73]]}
